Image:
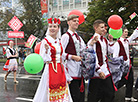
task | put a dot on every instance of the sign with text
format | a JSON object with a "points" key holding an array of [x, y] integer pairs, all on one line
{"points": [[15, 24], [15, 34], [30, 41]]}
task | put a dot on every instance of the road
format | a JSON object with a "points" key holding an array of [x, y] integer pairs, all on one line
{"points": [[25, 90]]}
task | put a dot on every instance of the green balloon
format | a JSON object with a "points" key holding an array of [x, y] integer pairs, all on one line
{"points": [[115, 33], [33, 63]]}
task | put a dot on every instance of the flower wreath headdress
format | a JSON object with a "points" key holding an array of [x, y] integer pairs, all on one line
{"points": [[54, 20]]}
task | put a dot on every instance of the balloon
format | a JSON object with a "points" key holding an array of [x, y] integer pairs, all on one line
{"points": [[37, 48], [115, 33], [79, 13], [33, 63], [115, 22]]}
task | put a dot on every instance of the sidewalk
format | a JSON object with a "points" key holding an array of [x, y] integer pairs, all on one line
{"points": [[21, 73]]}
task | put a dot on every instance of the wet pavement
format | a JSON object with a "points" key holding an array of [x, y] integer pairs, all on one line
{"points": [[24, 91]]}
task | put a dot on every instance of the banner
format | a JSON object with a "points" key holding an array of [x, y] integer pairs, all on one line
{"points": [[132, 16], [30, 41], [44, 10], [15, 34]]}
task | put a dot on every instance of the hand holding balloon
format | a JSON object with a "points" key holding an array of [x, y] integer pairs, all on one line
{"points": [[110, 37]]}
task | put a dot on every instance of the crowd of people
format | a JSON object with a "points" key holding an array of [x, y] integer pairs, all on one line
{"points": [[22, 55], [63, 59], [62, 80]]}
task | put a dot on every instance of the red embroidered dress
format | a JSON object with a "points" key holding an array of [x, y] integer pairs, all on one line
{"points": [[53, 86]]}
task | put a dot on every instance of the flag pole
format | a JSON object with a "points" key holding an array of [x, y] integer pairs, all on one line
{"points": [[16, 42]]}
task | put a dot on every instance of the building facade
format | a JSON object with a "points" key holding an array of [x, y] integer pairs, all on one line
{"points": [[61, 8]]}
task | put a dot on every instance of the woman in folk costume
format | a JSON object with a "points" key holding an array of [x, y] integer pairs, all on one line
{"points": [[11, 64], [53, 86]]}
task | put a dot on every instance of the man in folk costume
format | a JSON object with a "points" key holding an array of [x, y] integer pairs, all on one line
{"points": [[73, 45], [122, 49], [53, 86], [101, 86]]}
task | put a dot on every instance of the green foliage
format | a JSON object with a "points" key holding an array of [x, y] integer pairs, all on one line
{"points": [[5, 18], [32, 18], [103, 9]]}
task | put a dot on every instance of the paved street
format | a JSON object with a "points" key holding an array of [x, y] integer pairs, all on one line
{"points": [[25, 90]]}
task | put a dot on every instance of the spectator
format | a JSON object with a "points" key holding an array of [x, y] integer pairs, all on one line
{"points": [[132, 52], [24, 54]]}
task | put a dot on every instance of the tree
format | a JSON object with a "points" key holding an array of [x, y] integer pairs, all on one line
{"points": [[103, 9], [31, 18], [29, 13], [5, 15]]}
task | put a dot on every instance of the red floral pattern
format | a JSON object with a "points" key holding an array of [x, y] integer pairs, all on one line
{"points": [[50, 20]]}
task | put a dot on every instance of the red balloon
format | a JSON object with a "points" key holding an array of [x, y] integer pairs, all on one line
{"points": [[37, 48], [79, 13], [115, 22]]}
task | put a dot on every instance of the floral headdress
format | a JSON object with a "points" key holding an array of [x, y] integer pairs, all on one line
{"points": [[54, 20]]}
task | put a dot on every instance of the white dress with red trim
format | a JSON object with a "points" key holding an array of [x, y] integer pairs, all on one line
{"points": [[11, 64], [53, 85]]}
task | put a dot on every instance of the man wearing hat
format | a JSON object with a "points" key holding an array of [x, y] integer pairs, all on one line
{"points": [[73, 45]]}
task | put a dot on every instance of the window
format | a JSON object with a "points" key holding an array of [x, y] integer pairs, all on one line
{"points": [[65, 2], [84, 4], [54, 2], [60, 2], [54, 5], [77, 3]]}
